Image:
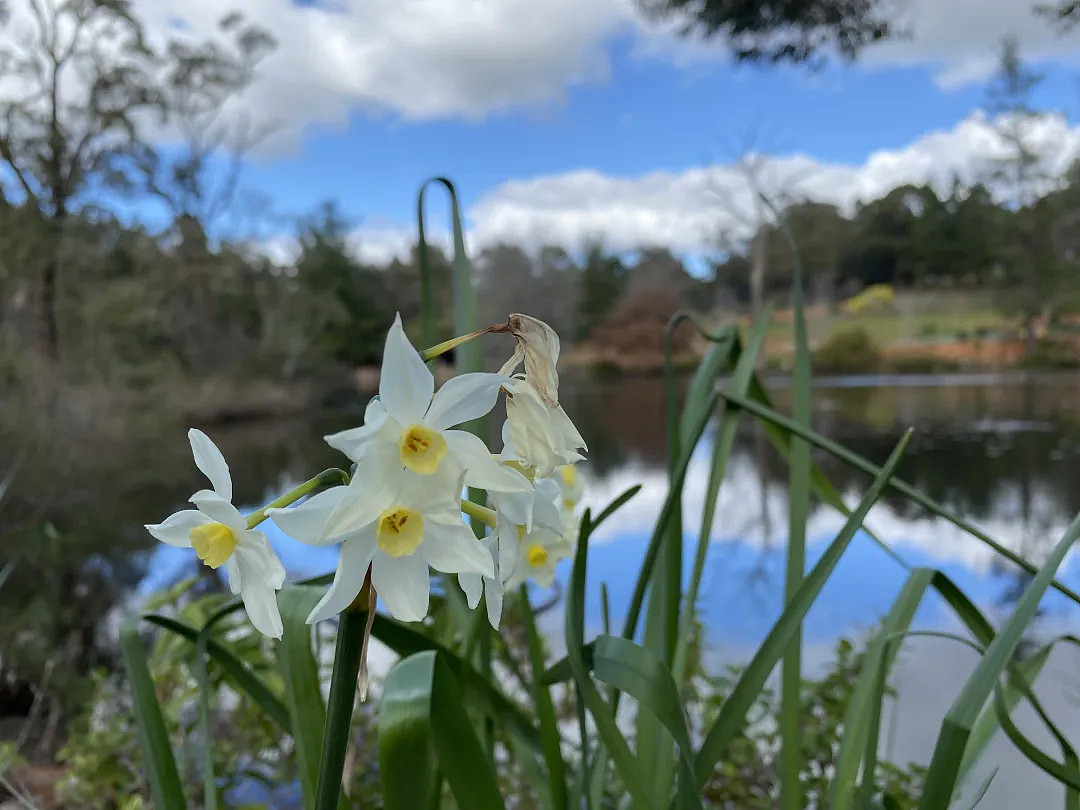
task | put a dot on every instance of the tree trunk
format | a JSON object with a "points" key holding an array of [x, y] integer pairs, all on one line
{"points": [[758, 265], [47, 324]]}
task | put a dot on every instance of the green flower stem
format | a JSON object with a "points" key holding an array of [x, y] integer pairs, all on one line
{"points": [[481, 513], [348, 655], [453, 343], [327, 478]]}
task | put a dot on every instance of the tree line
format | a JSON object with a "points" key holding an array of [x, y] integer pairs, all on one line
{"points": [[108, 298]]}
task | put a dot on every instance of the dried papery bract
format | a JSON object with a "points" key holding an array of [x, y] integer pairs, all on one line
{"points": [[538, 347]]}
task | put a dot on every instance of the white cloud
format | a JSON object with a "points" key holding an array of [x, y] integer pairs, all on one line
{"points": [[688, 210], [427, 59], [962, 38], [743, 503], [418, 59], [958, 39]]}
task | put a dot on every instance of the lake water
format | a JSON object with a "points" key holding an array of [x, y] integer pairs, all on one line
{"points": [[1002, 451]]}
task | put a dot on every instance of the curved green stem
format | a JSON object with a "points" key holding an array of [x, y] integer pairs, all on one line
{"points": [[327, 478], [481, 513], [348, 655]]}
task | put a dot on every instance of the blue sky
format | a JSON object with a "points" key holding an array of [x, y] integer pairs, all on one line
{"points": [[569, 120], [649, 116]]}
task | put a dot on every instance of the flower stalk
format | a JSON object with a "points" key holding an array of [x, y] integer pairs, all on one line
{"points": [[481, 513], [353, 629], [327, 478]]}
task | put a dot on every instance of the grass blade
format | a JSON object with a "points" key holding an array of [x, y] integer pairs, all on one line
{"points": [[861, 708], [589, 697], [722, 444], [987, 725], [242, 677], [860, 463], [956, 728], [406, 641], [1067, 774], [791, 758], [545, 709], [300, 671], [206, 715], [733, 712], [161, 773], [642, 675], [423, 724]]}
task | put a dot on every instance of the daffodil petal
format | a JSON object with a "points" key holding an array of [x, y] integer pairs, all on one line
{"points": [[473, 586], [255, 554], [403, 584], [260, 602], [482, 469], [176, 528], [517, 507], [232, 568], [365, 498], [509, 452], [216, 507], [307, 522], [462, 398], [508, 546], [565, 428], [546, 505], [455, 550], [352, 568], [406, 384], [211, 463], [494, 594], [352, 442]]}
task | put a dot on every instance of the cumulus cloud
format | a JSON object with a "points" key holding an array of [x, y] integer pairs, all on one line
{"points": [[416, 59], [691, 209], [747, 514], [962, 38], [425, 59]]}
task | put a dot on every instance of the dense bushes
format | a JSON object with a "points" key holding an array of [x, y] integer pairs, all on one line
{"points": [[848, 350]]}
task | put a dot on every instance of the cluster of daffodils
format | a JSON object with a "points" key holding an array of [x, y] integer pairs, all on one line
{"points": [[402, 513]]}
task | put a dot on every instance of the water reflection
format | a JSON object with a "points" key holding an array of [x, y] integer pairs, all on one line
{"points": [[1001, 451]]}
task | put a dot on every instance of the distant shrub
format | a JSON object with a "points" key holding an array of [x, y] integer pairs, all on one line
{"points": [[850, 350], [875, 298], [1054, 354], [920, 365]]}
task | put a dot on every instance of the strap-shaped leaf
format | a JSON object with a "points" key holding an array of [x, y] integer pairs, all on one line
{"points": [[748, 686], [867, 466], [161, 773], [241, 675], [956, 728], [303, 695], [588, 695], [861, 709], [406, 641], [545, 709], [423, 724], [642, 675]]}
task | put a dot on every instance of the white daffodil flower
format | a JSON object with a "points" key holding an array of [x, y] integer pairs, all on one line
{"points": [[408, 426], [537, 434], [474, 584], [537, 552], [398, 524], [539, 506], [570, 485], [537, 345], [219, 535]]}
